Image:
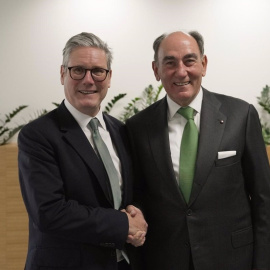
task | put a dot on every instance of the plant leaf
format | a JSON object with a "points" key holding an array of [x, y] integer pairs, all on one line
{"points": [[112, 102]]}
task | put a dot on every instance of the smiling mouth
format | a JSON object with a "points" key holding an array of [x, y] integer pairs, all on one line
{"points": [[88, 92], [182, 84]]}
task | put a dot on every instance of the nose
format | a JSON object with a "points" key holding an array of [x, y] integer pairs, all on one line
{"points": [[181, 69], [88, 78]]}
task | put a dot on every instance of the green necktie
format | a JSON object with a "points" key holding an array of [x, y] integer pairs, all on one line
{"points": [[105, 156], [188, 153]]}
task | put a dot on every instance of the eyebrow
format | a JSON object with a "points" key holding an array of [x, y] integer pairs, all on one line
{"points": [[191, 55], [166, 58]]}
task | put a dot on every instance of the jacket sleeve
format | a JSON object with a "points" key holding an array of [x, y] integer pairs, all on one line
{"points": [[257, 174]]}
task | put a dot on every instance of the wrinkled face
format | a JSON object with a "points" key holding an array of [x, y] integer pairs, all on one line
{"points": [[180, 67], [86, 94]]}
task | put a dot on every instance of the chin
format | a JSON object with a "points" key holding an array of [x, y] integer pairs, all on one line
{"points": [[90, 102]]}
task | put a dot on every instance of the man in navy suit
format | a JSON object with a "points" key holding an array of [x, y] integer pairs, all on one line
{"points": [[223, 223], [73, 221]]}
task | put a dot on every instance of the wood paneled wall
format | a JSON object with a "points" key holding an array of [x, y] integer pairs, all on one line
{"points": [[268, 152], [13, 216]]}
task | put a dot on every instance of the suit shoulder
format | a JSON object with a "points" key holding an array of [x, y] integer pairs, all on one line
{"points": [[149, 111], [229, 101], [226, 98], [40, 128], [41, 121]]}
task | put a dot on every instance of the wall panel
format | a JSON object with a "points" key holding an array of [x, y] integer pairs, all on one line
{"points": [[13, 216]]}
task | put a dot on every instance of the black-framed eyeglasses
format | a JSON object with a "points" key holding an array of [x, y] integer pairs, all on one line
{"points": [[78, 73]]}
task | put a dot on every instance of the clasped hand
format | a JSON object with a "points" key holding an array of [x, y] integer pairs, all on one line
{"points": [[137, 226]]}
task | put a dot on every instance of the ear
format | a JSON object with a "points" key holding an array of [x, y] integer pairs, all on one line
{"points": [[62, 74], [204, 64], [109, 78], [155, 69]]}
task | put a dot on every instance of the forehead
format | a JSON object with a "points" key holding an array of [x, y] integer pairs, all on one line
{"points": [[178, 45], [88, 56]]}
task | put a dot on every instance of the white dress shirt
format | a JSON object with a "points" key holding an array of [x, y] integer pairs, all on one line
{"points": [[176, 125]]}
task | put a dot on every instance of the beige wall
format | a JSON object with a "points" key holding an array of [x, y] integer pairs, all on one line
{"points": [[33, 34]]}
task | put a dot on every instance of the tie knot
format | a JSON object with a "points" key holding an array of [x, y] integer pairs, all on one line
{"points": [[186, 112], [94, 124]]}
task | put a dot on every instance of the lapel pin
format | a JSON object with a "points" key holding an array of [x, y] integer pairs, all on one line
{"points": [[221, 121]]}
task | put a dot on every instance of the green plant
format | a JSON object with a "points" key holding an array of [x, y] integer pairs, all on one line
{"points": [[111, 103], [149, 96], [7, 132], [264, 102]]}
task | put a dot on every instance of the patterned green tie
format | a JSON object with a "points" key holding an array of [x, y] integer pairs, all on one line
{"points": [[188, 153], [107, 161]]}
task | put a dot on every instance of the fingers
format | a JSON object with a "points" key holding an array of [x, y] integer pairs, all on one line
{"points": [[132, 210], [138, 239], [136, 223]]}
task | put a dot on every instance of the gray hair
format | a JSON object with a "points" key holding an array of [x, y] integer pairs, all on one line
{"points": [[196, 35], [86, 40]]}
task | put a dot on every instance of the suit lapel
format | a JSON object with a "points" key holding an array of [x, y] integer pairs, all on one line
{"points": [[211, 131], [160, 146], [74, 136]]}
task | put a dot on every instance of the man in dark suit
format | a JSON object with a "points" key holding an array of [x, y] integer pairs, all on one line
{"points": [[75, 217], [213, 212]]}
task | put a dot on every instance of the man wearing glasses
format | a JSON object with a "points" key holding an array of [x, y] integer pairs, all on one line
{"points": [[75, 172]]}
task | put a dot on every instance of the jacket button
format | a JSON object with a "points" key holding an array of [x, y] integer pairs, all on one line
{"points": [[189, 212]]}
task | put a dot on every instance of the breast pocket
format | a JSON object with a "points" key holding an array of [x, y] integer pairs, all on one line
{"points": [[228, 161], [242, 237]]}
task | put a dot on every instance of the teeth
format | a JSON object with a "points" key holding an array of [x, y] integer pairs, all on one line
{"points": [[181, 84], [87, 92]]}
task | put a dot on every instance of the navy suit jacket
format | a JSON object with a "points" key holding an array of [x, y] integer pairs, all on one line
{"points": [[72, 222], [226, 224]]}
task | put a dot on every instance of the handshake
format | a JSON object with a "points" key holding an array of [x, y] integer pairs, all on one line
{"points": [[137, 226]]}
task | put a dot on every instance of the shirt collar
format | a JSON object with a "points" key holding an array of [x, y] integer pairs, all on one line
{"points": [[84, 119], [196, 104]]}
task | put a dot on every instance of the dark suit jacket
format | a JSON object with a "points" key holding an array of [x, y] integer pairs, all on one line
{"points": [[226, 224], [72, 223]]}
